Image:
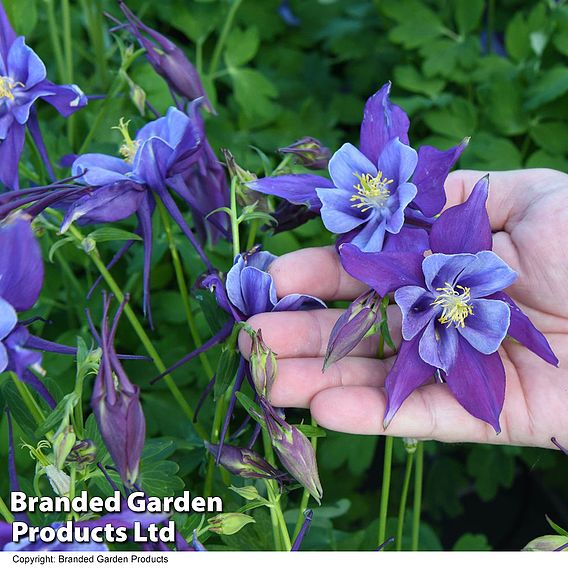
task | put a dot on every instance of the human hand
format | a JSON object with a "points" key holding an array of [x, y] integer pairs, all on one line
{"points": [[528, 211]]}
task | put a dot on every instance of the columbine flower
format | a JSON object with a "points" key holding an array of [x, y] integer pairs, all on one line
{"points": [[166, 154], [23, 81], [371, 200], [21, 279], [309, 152], [167, 59], [455, 315], [116, 405]]}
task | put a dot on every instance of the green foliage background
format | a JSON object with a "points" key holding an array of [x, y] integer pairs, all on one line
{"points": [[493, 70]]}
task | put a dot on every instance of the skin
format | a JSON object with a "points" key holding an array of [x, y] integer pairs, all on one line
{"points": [[528, 211]]}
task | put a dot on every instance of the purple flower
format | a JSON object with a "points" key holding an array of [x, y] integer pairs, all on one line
{"points": [[250, 288], [116, 405], [381, 196], [167, 59], [454, 312], [309, 152], [23, 80]]}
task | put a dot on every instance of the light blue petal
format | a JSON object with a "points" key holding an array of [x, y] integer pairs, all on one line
{"points": [[347, 162], [486, 275], [8, 318], [441, 269], [397, 161], [337, 214], [487, 326], [439, 345]]}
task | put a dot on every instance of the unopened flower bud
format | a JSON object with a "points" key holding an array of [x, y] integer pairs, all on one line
{"points": [[294, 451], [59, 480], [84, 452], [309, 152], [410, 445], [229, 523], [547, 543], [353, 325], [244, 462], [263, 365], [62, 444], [250, 493]]}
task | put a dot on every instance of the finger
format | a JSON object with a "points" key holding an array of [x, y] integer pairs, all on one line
{"points": [[509, 192], [306, 334], [299, 380], [430, 412], [314, 271]]}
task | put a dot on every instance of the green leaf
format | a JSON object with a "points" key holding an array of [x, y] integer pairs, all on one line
{"points": [[456, 121], [468, 14], [492, 469], [22, 15], [57, 245], [517, 41], [62, 411], [551, 136], [472, 542], [226, 371], [503, 98], [410, 79], [489, 152], [254, 93], [549, 86], [311, 431], [347, 449], [251, 407], [556, 527], [242, 46], [105, 234]]}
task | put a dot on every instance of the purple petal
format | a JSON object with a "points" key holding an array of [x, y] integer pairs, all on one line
{"points": [[7, 38], [439, 345], [298, 302], [384, 271], [408, 373], [100, 169], [409, 239], [66, 99], [397, 161], [382, 121], [415, 303], [24, 65], [11, 149], [478, 383], [431, 172], [522, 330], [21, 265], [487, 326], [444, 269], [404, 195], [251, 291], [261, 260], [8, 318], [3, 358], [299, 189], [486, 275], [464, 228], [106, 204], [371, 237], [152, 161], [347, 162], [337, 212]]}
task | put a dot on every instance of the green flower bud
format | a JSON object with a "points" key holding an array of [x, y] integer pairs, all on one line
{"points": [[229, 523], [62, 444], [548, 542], [263, 365]]}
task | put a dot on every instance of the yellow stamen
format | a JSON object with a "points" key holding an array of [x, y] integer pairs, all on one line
{"points": [[372, 191], [7, 86], [455, 304], [128, 147]]}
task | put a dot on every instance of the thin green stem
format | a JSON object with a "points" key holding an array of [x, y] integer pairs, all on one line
{"points": [[223, 37], [55, 43], [141, 333], [29, 400], [68, 50], [234, 221], [385, 489], [184, 292], [5, 512], [252, 234], [403, 499], [417, 495]]}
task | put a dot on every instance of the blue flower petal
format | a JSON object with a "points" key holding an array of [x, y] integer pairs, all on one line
{"points": [[372, 235], [486, 275], [337, 212], [3, 358], [415, 303], [439, 345], [487, 326], [100, 169], [397, 161], [404, 195], [442, 269], [8, 318], [298, 302], [24, 65], [347, 162]]}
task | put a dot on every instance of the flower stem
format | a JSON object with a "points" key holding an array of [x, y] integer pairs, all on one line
{"points": [[5, 512], [223, 37], [234, 220], [305, 495], [68, 49], [403, 499], [139, 330], [55, 43], [417, 495], [385, 489], [29, 400], [180, 277]]}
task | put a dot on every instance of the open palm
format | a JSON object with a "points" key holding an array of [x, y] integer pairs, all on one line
{"points": [[528, 211]]}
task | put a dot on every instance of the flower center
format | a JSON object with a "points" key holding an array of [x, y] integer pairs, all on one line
{"points": [[7, 86], [128, 147], [372, 191], [454, 303]]}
